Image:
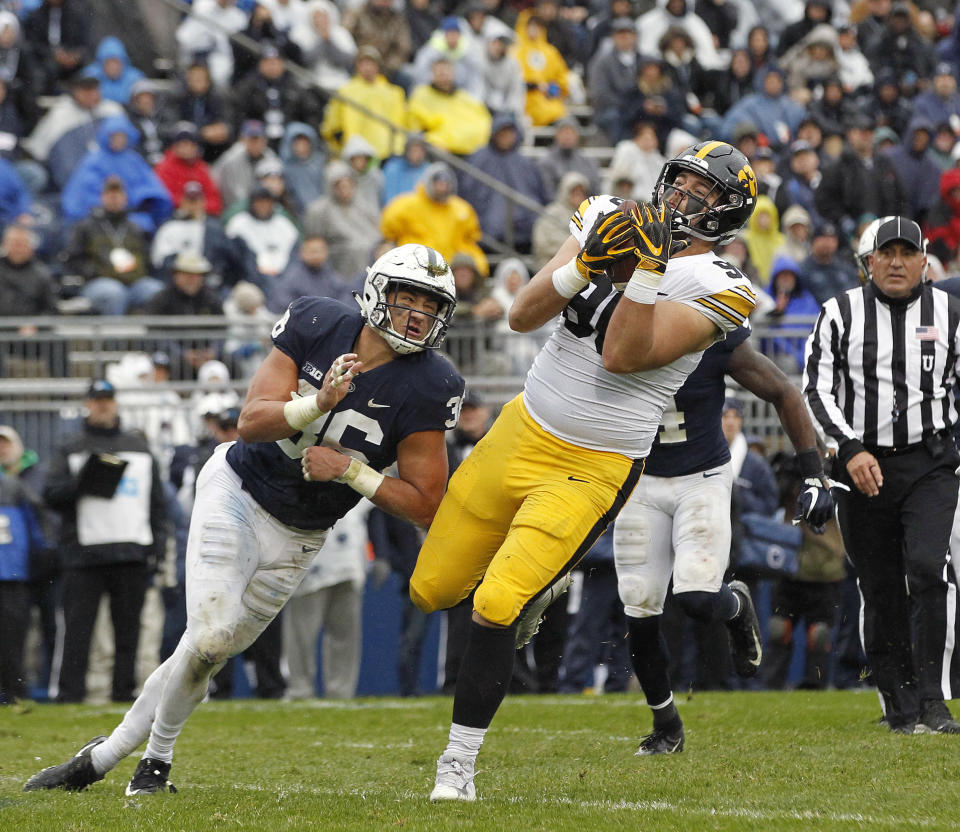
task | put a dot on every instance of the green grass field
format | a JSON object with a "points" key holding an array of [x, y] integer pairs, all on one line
{"points": [[753, 761]]}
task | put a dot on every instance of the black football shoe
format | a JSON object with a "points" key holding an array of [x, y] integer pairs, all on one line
{"points": [[935, 718], [74, 775], [150, 778], [661, 742], [746, 649]]}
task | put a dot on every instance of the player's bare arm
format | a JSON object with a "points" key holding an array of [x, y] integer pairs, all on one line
{"points": [[414, 494], [264, 417], [763, 378]]}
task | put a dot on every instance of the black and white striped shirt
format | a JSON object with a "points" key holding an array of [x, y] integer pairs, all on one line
{"points": [[883, 372]]}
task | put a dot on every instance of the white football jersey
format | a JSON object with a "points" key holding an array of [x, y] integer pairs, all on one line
{"points": [[571, 395]]}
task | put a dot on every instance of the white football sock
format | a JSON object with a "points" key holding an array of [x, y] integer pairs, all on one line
{"points": [[465, 742]]}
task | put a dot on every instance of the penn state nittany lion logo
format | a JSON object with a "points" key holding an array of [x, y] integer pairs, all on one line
{"points": [[747, 176]]}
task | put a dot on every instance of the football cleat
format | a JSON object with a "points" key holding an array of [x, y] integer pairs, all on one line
{"points": [[746, 649], [150, 778], [454, 779], [74, 775], [661, 742], [529, 623], [935, 718]]}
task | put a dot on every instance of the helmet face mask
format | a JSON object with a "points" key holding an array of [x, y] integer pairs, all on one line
{"points": [[865, 246], [717, 215], [413, 269]]}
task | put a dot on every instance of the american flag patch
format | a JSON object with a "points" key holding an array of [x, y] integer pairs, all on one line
{"points": [[927, 333]]}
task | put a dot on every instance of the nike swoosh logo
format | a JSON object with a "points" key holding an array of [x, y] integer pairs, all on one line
{"points": [[713, 474], [577, 479], [372, 403], [756, 644], [813, 495], [661, 294], [305, 549]]}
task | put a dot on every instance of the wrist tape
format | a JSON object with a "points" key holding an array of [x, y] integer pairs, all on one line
{"points": [[567, 280], [300, 412], [361, 478], [642, 286]]}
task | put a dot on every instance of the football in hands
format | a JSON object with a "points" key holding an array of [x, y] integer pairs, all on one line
{"points": [[622, 270]]}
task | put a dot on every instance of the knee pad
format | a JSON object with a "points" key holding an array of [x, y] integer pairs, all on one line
{"points": [[780, 630], [701, 606], [212, 645], [640, 596], [496, 603], [818, 636]]}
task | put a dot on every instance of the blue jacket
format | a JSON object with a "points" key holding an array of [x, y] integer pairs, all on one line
{"points": [[116, 89], [15, 197], [149, 202], [305, 177], [766, 113], [400, 177], [20, 533], [919, 174], [802, 302]]}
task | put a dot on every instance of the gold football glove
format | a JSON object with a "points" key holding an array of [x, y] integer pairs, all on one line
{"points": [[652, 236], [611, 238]]}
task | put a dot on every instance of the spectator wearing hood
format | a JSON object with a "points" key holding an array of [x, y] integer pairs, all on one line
{"points": [[402, 173], [59, 34], [940, 103], [269, 234], [900, 47], [791, 297], [433, 215], [267, 37], [234, 170], [917, 170], [733, 82], [812, 59], [827, 271], [449, 41], [303, 163], [611, 74], [763, 237], [192, 229], [771, 109], [183, 163], [63, 136], [195, 37], [800, 181], [504, 90], [816, 13], [887, 106], [152, 122], [200, 104], [113, 70], [148, 199], [833, 108], [309, 274], [544, 71], [942, 145], [640, 158], [447, 116], [654, 98], [678, 13], [267, 174], [370, 89], [502, 160], [327, 48], [943, 220], [360, 155], [109, 251], [797, 229], [552, 227], [346, 223], [564, 156], [517, 349], [854, 69]]}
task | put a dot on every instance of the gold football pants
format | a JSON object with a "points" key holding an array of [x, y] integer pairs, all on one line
{"points": [[523, 508]]}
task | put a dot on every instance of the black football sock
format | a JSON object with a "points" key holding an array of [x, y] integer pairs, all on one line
{"points": [[485, 673], [651, 663]]}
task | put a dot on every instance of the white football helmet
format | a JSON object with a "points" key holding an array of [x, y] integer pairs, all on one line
{"points": [[866, 245], [422, 269]]}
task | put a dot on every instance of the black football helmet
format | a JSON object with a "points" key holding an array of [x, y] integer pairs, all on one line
{"points": [[734, 186]]}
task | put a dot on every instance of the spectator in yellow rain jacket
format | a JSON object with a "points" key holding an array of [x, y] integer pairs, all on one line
{"points": [[544, 71], [448, 117], [372, 90], [435, 216]]}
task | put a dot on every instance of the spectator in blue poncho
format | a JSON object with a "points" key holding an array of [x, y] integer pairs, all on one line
{"points": [[14, 195], [791, 297], [150, 202], [402, 173], [303, 164], [112, 68], [914, 163], [771, 109]]}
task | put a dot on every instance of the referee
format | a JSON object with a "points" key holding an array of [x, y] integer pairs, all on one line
{"points": [[879, 378]]}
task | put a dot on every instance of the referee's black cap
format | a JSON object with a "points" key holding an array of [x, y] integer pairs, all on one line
{"points": [[900, 228]]}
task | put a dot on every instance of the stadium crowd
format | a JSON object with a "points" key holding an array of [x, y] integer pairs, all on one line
{"points": [[230, 185]]}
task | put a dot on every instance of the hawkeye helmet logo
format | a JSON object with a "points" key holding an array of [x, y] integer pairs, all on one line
{"points": [[749, 178]]}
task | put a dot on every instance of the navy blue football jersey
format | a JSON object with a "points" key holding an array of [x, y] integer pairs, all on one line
{"points": [[417, 392], [690, 438]]}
